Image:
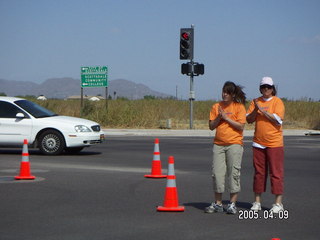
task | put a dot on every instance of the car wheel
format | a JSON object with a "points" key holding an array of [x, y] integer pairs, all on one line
{"points": [[51, 142], [73, 150]]}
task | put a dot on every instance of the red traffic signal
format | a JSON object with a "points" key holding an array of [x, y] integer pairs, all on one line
{"points": [[185, 35], [186, 43]]}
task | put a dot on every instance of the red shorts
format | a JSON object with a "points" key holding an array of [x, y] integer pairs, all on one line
{"points": [[268, 161]]}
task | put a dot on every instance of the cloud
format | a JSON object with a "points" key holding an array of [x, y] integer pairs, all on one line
{"points": [[315, 39], [306, 40]]}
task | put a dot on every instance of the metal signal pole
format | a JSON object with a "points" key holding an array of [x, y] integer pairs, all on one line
{"points": [[191, 97], [192, 94]]}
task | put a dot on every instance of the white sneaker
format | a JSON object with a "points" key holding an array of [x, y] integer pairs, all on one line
{"points": [[232, 209], [276, 208], [256, 206]]}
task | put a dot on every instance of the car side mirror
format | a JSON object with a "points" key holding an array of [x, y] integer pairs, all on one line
{"points": [[20, 115]]}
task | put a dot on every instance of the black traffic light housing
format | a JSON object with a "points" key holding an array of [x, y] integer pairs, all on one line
{"points": [[198, 69], [186, 43], [186, 68]]}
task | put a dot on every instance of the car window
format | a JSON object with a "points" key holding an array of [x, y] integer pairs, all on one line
{"points": [[34, 109], [8, 110]]}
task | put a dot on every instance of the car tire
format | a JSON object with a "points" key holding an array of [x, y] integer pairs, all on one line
{"points": [[51, 142]]}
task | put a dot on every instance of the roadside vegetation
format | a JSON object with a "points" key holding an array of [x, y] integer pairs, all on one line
{"points": [[155, 113]]}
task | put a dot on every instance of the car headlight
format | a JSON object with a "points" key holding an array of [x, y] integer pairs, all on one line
{"points": [[82, 128]]}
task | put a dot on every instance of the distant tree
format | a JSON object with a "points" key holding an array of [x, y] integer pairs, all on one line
{"points": [[29, 97], [170, 97], [3, 94], [123, 98], [149, 97]]}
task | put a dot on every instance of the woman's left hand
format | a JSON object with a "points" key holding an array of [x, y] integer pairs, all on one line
{"points": [[222, 113]]}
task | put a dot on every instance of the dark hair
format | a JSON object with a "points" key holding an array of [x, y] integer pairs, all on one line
{"points": [[236, 90], [274, 90]]}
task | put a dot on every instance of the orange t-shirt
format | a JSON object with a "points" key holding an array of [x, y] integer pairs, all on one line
{"points": [[267, 133], [226, 134]]}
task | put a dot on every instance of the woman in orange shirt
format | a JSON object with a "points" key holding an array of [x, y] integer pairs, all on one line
{"points": [[228, 117], [267, 112]]}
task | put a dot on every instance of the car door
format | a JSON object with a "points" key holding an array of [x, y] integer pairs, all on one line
{"points": [[13, 129]]}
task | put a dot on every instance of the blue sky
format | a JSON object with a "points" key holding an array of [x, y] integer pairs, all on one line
{"points": [[138, 40]]}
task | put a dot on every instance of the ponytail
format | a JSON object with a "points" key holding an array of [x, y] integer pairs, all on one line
{"points": [[240, 96]]}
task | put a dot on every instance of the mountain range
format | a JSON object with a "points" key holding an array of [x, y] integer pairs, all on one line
{"points": [[62, 88]]}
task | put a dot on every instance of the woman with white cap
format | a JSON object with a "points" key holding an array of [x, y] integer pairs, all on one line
{"points": [[267, 112]]}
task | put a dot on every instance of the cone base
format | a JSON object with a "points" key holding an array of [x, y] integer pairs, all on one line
{"points": [[155, 176], [170, 209], [24, 177]]}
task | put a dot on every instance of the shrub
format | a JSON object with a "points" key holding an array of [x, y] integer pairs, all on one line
{"points": [[143, 113]]}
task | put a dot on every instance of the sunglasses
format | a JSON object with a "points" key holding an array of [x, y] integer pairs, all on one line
{"points": [[266, 86]]}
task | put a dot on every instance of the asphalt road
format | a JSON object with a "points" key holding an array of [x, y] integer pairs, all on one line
{"points": [[101, 193]]}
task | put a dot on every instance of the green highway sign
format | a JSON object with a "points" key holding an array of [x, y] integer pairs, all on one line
{"points": [[96, 76]]}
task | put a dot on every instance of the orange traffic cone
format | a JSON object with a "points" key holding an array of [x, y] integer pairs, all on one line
{"points": [[156, 171], [171, 195], [25, 173]]}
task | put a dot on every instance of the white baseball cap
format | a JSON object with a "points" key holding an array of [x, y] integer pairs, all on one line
{"points": [[266, 80]]}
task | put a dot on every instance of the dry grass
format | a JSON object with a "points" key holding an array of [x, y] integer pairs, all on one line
{"points": [[155, 112], [302, 114]]}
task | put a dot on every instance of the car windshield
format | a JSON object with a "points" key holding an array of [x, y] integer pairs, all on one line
{"points": [[34, 109]]}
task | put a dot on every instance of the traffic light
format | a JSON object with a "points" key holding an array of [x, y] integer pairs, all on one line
{"points": [[198, 69], [186, 43], [186, 68]]}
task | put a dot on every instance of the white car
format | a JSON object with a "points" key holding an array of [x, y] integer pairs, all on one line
{"points": [[22, 119]]}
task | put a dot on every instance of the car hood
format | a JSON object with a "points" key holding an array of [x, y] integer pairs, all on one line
{"points": [[70, 120]]}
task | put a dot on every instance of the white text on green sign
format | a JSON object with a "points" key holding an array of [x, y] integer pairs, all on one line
{"points": [[96, 76]]}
